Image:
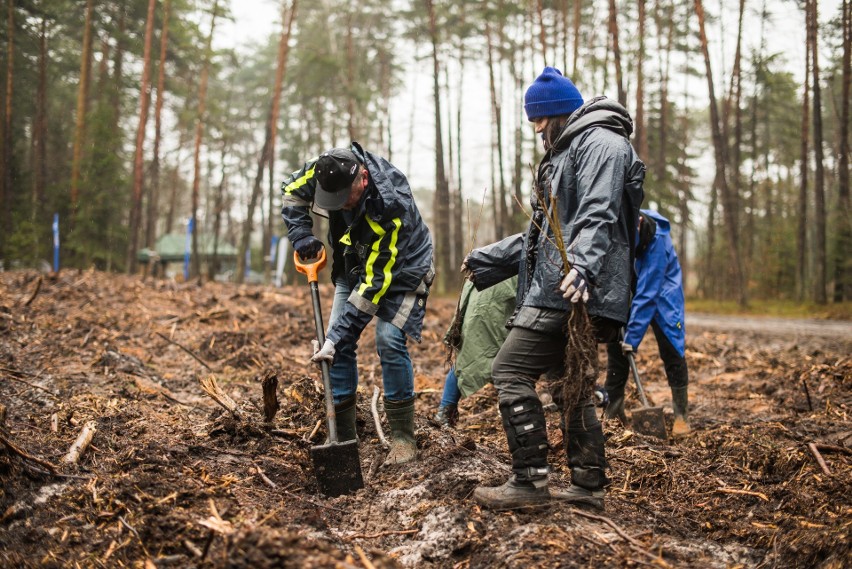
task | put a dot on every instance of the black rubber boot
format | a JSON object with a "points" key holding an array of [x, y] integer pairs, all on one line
{"points": [[447, 415], [526, 434], [345, 419], [584, 447], [401, 418], [680, 405]]}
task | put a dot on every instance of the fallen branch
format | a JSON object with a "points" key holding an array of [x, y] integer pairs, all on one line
{"points": [[15, 449], [623, 534], [819, 459], [13, 372], [743, 492], [375, 409], [383, 533], [363, 557], [82, 443], [187, 350], [265, 478], [833, 448], [35, 292], [211, 388]]}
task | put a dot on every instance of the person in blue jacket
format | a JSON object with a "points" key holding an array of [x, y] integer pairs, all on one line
{"points": [[658, 302], [381, 267]]}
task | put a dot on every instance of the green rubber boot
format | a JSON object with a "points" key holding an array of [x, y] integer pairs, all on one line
{"points": [[403, 446], [345, 419]]}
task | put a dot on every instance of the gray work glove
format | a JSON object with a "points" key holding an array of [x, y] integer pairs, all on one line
{"points": [[574, 286], [626, 348], [324, 354]]}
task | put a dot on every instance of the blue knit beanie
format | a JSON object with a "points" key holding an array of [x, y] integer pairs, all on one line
{"points": [[551, 95]]}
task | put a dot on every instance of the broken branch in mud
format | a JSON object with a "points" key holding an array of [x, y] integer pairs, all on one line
{"points": [[383, 533], [265, 478], [185, 349], [15, 449], [211, 388], [13, 372], [819, 459], [743, 492], [633, 543], [363, 557], [833, 448], [35, 292], [82, 443], [375, 408]]}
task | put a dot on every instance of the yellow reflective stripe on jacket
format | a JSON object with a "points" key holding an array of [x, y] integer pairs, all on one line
{"points": [[299, 182], [374, 254]]}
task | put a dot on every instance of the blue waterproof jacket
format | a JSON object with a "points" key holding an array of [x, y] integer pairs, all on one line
{"points": [[381, 247], [659, 289]]}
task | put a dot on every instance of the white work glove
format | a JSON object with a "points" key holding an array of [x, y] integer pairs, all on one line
{"points": [[324, 354], [574, 287], [626, 348]]}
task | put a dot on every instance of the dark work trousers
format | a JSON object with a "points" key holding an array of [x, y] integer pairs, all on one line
{"points": [[618, 367], [525, 356]]}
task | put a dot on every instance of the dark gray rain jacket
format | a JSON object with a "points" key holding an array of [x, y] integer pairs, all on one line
{"points": [[594, 179], [382, 247]]}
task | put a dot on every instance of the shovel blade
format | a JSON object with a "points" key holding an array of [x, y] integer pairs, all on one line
{"points": [[650, 421], [337, 467]]}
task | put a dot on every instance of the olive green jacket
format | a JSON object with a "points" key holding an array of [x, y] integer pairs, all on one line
{"points": [[483, 317]]}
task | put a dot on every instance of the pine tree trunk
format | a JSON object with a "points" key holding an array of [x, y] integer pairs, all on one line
{"points": [[6, 196], [442, 191], [616, 53], [154, 196], [575, 53], [801, 230], [82, 107], [139, 160], [821, 266], [199, 131], [720, 146], [542, 35], [498, 190], [40, 134], [267, 151], [640, 131], [842, 267]]}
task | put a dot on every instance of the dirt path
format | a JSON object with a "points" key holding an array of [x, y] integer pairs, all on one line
{"points": [[834, 330], [172, 480]]}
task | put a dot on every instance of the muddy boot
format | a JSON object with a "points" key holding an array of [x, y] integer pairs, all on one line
{"points": [[345, 419], [403, 447], [514, 493], [582, 497], [524, 424], [447, 415], [680, 404], [615, 410]]}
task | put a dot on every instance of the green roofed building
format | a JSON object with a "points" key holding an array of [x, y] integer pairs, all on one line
{"points": [[170, 249]]}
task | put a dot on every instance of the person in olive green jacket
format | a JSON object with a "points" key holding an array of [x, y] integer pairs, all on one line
{"points": [[475, 335]]}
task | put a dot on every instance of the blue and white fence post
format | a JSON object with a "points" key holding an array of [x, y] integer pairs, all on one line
{"points": [[187, 248], [55, 242]]}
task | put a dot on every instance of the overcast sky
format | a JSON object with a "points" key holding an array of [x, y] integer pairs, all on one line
{"points": [[255, 20]]}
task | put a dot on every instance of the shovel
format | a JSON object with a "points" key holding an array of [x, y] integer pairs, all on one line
{"points": [[647, 420], [337, 465]]}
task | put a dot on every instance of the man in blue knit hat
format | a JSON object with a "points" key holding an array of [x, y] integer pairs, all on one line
{"points": [[591, 178]]}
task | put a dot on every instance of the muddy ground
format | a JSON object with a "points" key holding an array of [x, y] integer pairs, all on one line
{"points": [[171, 479]]}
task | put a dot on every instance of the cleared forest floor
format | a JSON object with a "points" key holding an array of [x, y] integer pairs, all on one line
{"points": [[173, 480]]}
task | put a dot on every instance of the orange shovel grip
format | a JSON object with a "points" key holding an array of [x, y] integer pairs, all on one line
{"points": [[310, 270]]}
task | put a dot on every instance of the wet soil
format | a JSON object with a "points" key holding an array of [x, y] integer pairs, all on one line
{"points": [[172, 479]]}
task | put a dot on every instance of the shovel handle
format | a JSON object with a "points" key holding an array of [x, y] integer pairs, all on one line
{"points": [[635, 371], [310, 270]]}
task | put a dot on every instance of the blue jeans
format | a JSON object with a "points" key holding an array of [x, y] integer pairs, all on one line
{"points": [[451, 395], [391, 345]]}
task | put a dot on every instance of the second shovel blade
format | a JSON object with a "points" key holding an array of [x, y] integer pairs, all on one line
{"points": [[650, 421]]}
